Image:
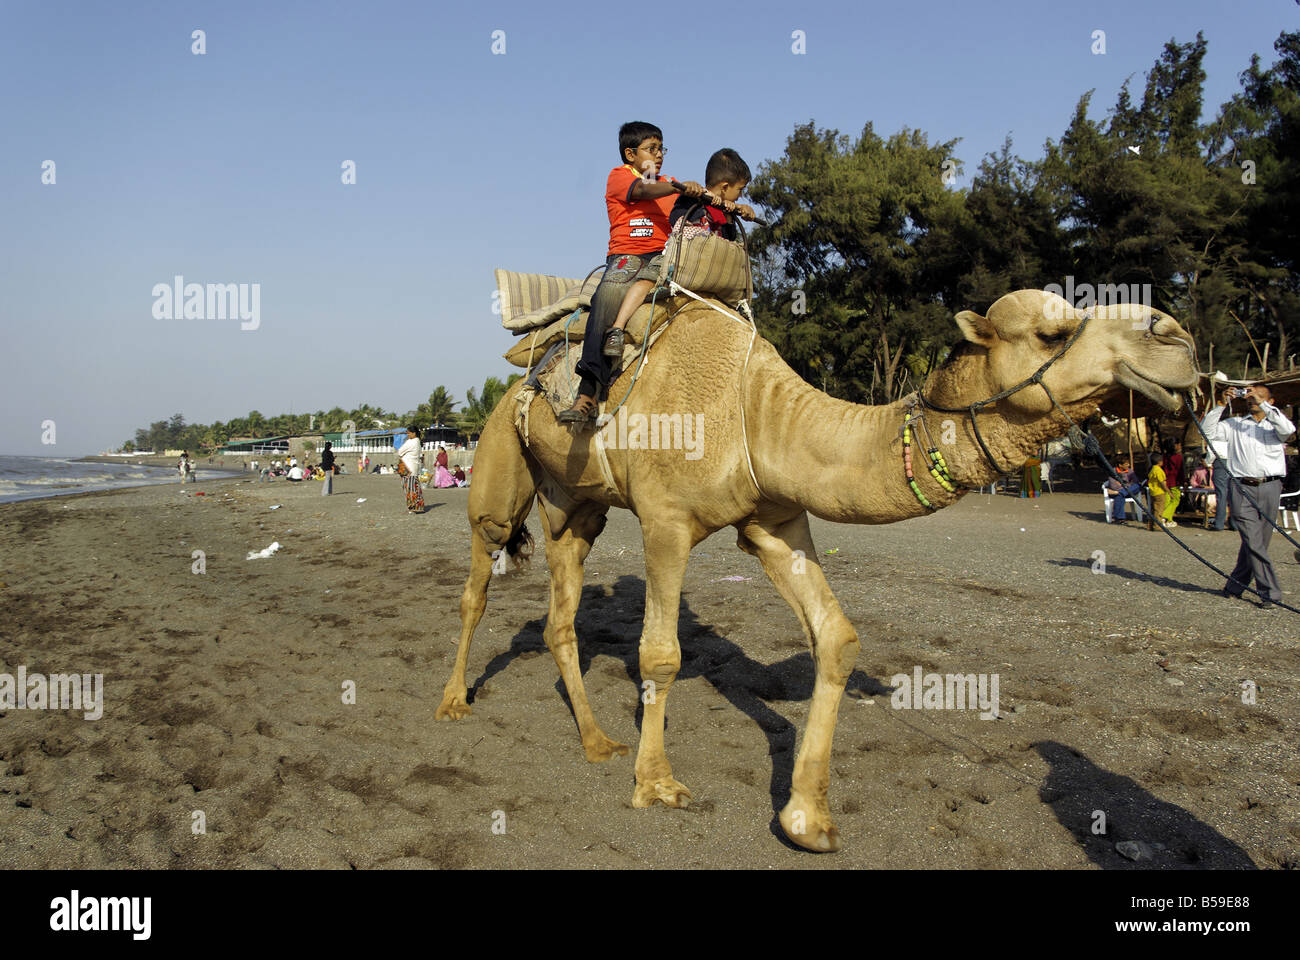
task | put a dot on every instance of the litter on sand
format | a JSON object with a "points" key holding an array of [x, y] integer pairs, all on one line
{"points": [[361, 499], [275, 506], [736, 579], [263, 554], [833, 550]]}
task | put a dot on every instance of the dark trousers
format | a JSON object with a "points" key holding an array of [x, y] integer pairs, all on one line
{"points": [[1220, 474], [1249, 507], [1118, 501], [621, 270]]}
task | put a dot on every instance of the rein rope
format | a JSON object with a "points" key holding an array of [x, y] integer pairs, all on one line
{"points": [[939, 470]]}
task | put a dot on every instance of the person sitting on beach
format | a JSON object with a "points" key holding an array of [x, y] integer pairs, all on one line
{"points": [[1127, 486], [637, 200], [459, 474], [295, 474], [1200, 486]]}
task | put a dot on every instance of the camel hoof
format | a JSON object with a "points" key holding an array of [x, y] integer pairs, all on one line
{"points": [[453, 708], [809, 825], [603, 748], [665, 790]]}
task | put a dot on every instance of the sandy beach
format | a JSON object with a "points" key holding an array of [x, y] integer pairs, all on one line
{"points": [[224, 693]]}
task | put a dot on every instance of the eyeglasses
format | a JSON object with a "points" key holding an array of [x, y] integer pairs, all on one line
{"points": [[652, 149]]}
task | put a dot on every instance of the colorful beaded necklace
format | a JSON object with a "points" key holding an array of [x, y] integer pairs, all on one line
{"points": [[938, 467]]}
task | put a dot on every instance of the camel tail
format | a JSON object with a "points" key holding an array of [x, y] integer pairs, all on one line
{"points": [[519, 548]]}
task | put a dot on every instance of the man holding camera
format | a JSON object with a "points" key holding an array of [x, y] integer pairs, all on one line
{"points": [[1254, 449]]}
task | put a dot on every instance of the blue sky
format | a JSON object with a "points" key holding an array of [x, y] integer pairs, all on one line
{"points": [[226, 167]]}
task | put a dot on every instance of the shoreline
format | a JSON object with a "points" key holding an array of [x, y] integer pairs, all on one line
{"points": [[109, 491]]}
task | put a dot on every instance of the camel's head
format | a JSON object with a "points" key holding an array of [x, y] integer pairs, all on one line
{"points": [[1123, 345]]}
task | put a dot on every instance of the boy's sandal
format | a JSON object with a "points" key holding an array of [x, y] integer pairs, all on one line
{"points": [[583, 409], [614, 343]]}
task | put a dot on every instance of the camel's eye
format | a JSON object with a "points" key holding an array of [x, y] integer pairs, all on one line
{"points": [[1055, 339]]}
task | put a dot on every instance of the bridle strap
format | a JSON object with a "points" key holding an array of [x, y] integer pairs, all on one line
{"points": [[1036, 377]]}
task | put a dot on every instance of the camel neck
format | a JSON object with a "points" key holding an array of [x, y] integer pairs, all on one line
{"points": [[844, 461]]}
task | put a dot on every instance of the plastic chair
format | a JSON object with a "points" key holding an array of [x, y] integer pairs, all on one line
{"points": [[1283, 507], [1108, 498]]}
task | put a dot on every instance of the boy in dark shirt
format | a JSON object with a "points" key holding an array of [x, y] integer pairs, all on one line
{"points": [[725, 178], [638, 201]]}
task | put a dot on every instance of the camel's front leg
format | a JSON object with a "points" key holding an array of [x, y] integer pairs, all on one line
{"points": [[667, 549], [790, 559]]}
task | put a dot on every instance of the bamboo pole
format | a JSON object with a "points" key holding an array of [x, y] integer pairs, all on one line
{"points": [[1128, 432]]}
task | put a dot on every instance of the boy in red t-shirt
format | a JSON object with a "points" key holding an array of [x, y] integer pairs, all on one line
{"points": [[638, 201]]}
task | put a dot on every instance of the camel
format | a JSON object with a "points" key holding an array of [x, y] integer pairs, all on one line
{"points": [[775, 449]]}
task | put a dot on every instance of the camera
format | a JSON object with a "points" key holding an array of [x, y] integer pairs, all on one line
{"points": [[1240, 392]]}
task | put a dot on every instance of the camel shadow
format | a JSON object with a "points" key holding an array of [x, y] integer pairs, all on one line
{"points": [[1077, 791], [1127, 574], [1099, 516], [609, 624]]}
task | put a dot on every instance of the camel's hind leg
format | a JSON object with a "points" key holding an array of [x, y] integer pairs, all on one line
{"points": [[790, 559], [565, 555], [499, 500]]}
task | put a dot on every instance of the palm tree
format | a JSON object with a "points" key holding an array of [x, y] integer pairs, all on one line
{"points": [[479, 407], [441, 405], [256, 423]]}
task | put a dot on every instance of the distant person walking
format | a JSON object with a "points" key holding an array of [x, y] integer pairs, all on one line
{"points": [[327, 464], [1256, 460], [185, 468], [408, 465]]}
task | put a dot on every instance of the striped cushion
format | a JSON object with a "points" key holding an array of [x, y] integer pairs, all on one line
{"points": [[521, 294]]}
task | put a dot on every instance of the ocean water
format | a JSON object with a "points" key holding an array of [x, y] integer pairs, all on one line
{"points": [[24, 478]]}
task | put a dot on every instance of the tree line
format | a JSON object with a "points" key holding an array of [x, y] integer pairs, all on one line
{"points": [[439, 409], [871, 250]]}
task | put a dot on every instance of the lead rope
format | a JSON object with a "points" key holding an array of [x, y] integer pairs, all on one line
{"points": [[1094, 448]]}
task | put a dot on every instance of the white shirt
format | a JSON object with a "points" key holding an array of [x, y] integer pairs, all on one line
{"points": [[295, 473], [410, 454], [1253, 449]]}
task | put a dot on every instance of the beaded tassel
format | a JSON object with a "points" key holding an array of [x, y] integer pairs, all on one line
{"points": [[907, 467]]}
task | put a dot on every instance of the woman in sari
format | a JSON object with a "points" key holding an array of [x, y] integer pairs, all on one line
{"points": [[408, 460]]}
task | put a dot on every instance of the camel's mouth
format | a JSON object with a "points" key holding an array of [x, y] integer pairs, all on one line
{"points": [[1131, 378]]}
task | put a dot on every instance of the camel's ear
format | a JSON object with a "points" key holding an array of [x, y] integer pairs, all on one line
{"points": [[976, 329]]}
